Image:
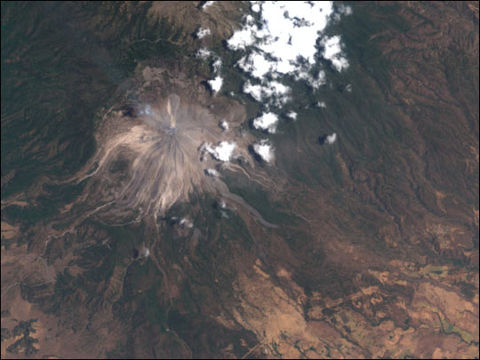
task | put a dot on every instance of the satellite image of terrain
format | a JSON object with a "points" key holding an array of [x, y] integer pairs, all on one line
{"points": [[209, 179]]}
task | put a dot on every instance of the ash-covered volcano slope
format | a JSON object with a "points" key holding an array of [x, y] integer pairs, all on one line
{"points": [[164, 140]]}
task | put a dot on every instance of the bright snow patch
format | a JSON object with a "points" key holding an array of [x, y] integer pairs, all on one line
{"points": [[223, 151], [331, 138], [267, 121], [264, 150], [216, 84], [201, 33]]}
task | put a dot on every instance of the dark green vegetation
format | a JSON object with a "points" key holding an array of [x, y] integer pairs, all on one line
{"points": [[396, 194], [61, 63]]}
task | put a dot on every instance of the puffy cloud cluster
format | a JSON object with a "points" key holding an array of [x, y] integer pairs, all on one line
{"points": [[203, 53], [292, 115], [224, 125], [273, 91], [217, 65], [223, 151], [331, 139], [264, 150], [212, 172], [332, 50], [215, 84], [206, 4], [202, 32], [286, 42], [267, 122], [281, 41]]}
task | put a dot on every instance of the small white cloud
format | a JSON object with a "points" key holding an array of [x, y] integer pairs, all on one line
{"points": [[344, 10], [223, 151], [254, 90], [217, 65], [185, 223], [244, 37], [292, 115], [256, 65], [212, 172], [215, 84], [314, 81], [331, 138], [322, 104], [255, 6], [203, 53], [273, 92], [207, 4], [267, 122], [264, 150], [333, 52], [224, 125], [202, 32]]}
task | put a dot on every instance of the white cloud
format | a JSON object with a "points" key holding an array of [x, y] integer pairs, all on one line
{"points": [[314, 81], [273, 92], [292, 115], [203, 53], [202, 32], [215, 84], [284, 42], [212, 172], [344, 10], [244, 37], [255, 6], [264, 150], [290, 30], [322, 104], [254, 90], [333, 52], [224, 125], [331, 138], [223, 151], [184, 222], [207, 4], [222, 204], [267, 122], [217, 65]]}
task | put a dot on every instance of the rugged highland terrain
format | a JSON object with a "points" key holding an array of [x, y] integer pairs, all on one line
{"points": [[366, 248]]}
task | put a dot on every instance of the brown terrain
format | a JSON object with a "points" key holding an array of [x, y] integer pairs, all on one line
{"points": [[376, 259]]}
